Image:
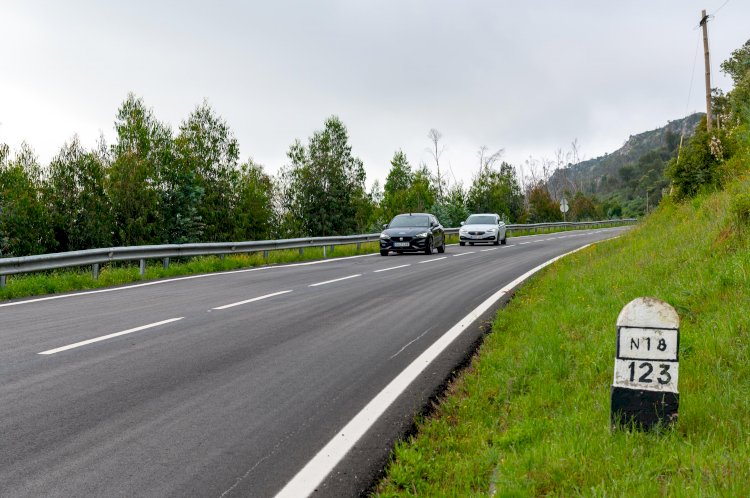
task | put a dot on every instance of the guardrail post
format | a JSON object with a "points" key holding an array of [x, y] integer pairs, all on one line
{"points": [[324, 251], [265, 254], [95, 271], [301, 251], [331, 249], [2, 281], [143, 267], [165, 262], [359, 246]]}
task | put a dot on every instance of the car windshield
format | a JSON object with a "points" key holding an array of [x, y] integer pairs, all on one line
{"points": [[478, 219], [409, 221]]}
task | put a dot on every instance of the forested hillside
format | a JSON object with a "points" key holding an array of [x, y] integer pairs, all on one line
{"points": [[632, 176]]}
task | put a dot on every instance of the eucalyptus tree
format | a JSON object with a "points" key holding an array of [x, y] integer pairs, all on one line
{"points": [[324, 183], [496, 190], [254, 204], [75, 195], [208, 159], [24, 222], [397, 186], [143, 149]]}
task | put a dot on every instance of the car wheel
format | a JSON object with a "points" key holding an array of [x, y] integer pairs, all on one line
{"points": [[441, 247], [496, 241], [428, 247], [383, 253], [471, 243], [505, 240], [462, 244]]}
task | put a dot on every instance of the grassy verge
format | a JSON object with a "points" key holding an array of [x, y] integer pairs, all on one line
{"points": [[66, 280], [122, 273], [531, 415]]}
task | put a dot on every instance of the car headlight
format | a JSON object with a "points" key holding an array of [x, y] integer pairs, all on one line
{"points": [[421, 235], [491, 230], [462, 231], [385, 236]]}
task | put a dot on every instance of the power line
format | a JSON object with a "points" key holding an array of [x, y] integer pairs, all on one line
{"points": [[722, 6], [690, 93]]}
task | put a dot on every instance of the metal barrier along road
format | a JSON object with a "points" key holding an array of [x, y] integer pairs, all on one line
{"points": [[96, 257]]}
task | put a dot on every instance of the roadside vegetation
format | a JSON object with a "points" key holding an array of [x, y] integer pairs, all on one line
{"points": [[67, 280], [53, 282], [530, 416], [158, 185]]}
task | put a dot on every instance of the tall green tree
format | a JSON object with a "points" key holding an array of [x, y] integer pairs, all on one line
{"points": [[75, 194], [208, 157], [397, 186], [254, 209], [25, 227], [143, 147], [496, 190], [325, 183]]}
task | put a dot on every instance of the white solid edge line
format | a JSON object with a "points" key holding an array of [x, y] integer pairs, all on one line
{"points": [[391, 268], [431, 260], [306, 480], [250, 300], [490, 249], [463, 254], [335, 280], [178, 279], [109, 336]]}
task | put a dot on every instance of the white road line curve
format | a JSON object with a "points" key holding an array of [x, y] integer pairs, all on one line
{"points": [[311, 475]]}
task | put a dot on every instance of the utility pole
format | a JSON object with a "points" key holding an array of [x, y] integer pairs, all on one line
{"points": [[704, 23]]}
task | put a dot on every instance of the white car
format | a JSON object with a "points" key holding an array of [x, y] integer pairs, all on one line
{"points": [[483, 227]]}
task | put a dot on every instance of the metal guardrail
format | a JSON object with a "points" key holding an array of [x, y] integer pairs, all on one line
{"points": [[96, 257]]}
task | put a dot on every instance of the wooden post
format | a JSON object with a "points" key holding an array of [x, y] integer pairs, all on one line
{"points": [[709, 114]]}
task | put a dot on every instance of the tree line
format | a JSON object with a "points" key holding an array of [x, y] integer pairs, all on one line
{"points": [[156, 185]]}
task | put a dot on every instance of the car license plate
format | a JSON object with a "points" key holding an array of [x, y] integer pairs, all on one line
{"points": [[400, 244]]}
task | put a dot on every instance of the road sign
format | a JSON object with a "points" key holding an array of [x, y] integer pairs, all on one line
{"points": [[644, 390], [564, 205]]}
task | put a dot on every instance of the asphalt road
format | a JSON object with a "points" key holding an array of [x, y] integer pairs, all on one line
{"points": [[183, 395]]}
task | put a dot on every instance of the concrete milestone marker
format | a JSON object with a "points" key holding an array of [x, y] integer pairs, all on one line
{"points": [[644, 391]]}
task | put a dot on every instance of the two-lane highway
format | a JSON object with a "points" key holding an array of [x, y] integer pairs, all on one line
{"points": [[230, 384]]}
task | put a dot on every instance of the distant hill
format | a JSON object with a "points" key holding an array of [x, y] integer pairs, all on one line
{"points": [[624, 177]]}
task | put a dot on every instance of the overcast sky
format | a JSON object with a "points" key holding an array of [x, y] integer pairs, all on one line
{"points": [[526, 76]]}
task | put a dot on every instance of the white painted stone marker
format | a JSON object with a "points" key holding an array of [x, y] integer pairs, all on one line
{"points": [[644, 390]]}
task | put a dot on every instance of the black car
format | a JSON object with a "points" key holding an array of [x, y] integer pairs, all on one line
{"points": [[414, 232]]}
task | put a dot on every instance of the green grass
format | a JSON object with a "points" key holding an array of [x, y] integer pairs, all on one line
{"points": [[530, 416]]}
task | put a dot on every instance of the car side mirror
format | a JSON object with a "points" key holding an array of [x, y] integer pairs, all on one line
{"points": [[462, 223], [385, 225]]}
